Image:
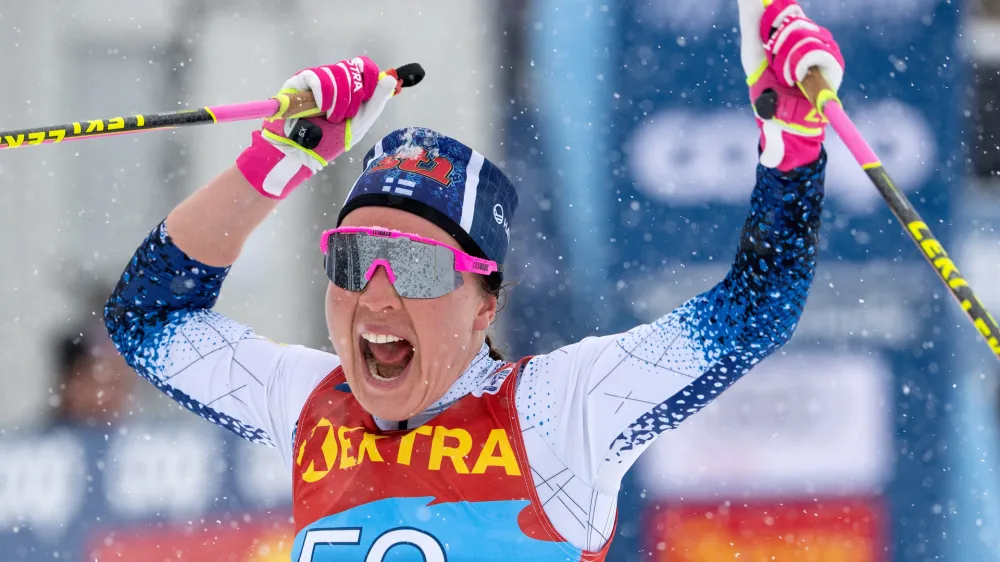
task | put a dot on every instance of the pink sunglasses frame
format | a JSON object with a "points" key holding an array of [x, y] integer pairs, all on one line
{"points": [[463, 261]]}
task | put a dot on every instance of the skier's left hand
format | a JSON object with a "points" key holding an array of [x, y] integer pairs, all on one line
{"points": [[779, 44]]}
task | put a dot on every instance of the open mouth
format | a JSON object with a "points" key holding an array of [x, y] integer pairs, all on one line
{"points": [[387, 357]]}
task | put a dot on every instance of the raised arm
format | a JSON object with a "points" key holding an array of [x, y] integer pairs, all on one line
{"points": [[159, 314], [160, 318], [598, 404]]}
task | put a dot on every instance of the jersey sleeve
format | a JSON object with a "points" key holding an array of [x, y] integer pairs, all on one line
{"points": [[161, 320], [600, 402]]}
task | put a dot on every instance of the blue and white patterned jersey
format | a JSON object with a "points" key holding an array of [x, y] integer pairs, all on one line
{"points": [[587, 410]]}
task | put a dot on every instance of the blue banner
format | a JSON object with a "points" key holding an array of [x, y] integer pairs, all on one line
{"points": [[108, 493], [635, 173]]}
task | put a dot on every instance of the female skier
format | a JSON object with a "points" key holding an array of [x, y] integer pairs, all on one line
{"points": [[416, 440]]}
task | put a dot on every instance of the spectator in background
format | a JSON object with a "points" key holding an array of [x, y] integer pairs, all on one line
{"points": [[94, 386]]}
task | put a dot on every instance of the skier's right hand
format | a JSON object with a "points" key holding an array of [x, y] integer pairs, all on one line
{"points": [[289, 150]]}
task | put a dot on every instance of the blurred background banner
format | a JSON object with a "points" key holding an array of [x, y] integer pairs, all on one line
{"points": [[187, 491], [639, 152]]}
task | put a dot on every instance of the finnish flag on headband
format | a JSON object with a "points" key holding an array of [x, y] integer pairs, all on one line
{"points": [[444, 181]]}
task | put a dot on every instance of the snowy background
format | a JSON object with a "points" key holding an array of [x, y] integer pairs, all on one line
{"points": [[626, 129]]}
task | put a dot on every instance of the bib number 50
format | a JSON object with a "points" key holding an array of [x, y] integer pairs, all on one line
{"points": [[428, 546]]}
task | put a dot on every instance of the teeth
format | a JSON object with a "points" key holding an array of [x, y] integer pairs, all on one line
{"points": [[379, 338], [373, 368]]}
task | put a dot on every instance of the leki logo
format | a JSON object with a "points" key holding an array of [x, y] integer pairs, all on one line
{"points": [[57, 135]]}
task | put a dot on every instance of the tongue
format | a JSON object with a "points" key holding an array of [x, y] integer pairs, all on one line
{"points": [[396, 353]]}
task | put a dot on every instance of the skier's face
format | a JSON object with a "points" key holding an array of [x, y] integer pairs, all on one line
{"points": [[395, 380]]}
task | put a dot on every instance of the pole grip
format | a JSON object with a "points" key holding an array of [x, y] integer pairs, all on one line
{"points": [[302, 104], [813, 85]]}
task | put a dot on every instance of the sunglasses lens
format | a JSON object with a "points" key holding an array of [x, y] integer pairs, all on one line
{"points": [[343, 262], [422, 271]]}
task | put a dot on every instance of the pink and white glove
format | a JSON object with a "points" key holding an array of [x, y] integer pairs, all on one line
{"points": [[779, 46], [350, 95]]}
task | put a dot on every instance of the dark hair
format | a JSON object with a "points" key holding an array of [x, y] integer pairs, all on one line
{"points": [[492, 284]]}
